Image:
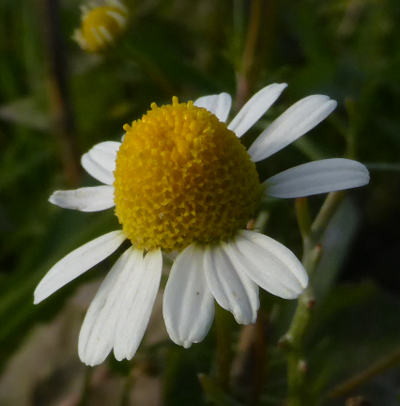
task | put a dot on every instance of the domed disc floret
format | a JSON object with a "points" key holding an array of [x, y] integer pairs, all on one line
{"points": [[181, 177]]}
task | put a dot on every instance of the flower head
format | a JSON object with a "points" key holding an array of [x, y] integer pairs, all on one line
{"points": [[101, 25], [182, 181], [197, 178]]}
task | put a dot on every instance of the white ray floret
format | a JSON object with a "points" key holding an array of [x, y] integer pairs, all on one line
{"points": [[188, 306], [231, 288], [256, 107], [269, 264], [79, 38], [105, 33], [137, 303], [96, 198], [97, 335], [84, 10], [119, 18], [97, 36], [77, 262], [99, 161], [291, 125], [117, 4], [218, 104], [316, 177]]}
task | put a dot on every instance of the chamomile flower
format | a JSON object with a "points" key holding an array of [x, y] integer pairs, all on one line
{"points": [[101, 24], [182, 182]]}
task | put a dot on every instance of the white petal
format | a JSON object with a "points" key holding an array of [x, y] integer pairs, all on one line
{"points": [[255, 108], [77, 262], [218, 104], [96, 337], [99, 162], [95, 198], [137, 304], [269, 264], [231, 288], [291, 125], [316, 177], [188, 306]]}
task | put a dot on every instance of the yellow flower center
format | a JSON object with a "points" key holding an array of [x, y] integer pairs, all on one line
{"points": [[182, 177], [101, 25]]}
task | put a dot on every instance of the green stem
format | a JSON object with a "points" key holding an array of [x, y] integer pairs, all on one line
{"points": [[373, 370], [58, 93], [328, 209], [293, 340], [303, 217], [243, 79]]}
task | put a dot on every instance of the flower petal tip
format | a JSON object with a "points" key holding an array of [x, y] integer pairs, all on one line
{"points": [[303, 280], [367, 176], [39, 294], [331, 105], [36, 299], [52, 198], [89, 361]]}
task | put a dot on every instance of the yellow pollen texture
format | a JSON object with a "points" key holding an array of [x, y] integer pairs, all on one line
{"points": [[100, 27], [182, 177]]}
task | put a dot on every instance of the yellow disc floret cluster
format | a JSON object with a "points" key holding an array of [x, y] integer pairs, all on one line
{"points": [[182, 177], [101, 25]]}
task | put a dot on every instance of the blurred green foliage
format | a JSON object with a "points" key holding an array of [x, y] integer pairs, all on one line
{"points": [[349, 49]]}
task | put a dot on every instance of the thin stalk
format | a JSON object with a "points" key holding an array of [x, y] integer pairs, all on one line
{"points": [[61, 108], [328, 209], [381, 365], [243, 79], [303, 217], [293, 340]]}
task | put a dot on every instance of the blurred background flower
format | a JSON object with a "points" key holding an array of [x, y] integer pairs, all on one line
{"points": [[56, 101], [101, 24]]}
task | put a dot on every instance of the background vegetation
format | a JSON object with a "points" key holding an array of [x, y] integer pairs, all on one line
{"points": [[56, 101]]}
